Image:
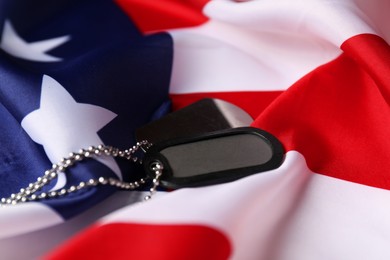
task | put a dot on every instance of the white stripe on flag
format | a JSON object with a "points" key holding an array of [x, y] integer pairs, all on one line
{"points": [[26, 217], [264, 45], [219, 57]]}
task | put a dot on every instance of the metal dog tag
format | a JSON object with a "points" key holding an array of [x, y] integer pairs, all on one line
{"points": [[204, 116], [215, 157]]}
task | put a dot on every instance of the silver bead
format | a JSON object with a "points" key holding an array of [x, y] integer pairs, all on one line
{"points": [[92, 182], [68, 163], [78, 157], [81, 185], [103, 180], [114, 152], [112, 181]]}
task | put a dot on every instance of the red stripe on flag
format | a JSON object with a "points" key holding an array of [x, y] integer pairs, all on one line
{"points": [[373, 54], [152, 15], [252, 102], [337, 117], [141, 241]]}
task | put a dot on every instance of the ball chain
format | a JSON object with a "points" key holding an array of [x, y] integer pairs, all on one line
{"points": [[30, 193]]}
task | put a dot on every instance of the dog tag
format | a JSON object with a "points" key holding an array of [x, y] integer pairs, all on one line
{"points": [[215, 157], [206, 115]]}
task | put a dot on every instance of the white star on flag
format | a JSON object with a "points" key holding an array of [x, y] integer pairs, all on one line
{"points": [[13, 44], [62, 125]]}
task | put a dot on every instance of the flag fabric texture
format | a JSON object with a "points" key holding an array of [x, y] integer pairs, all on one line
{"points": [[314, 73]]}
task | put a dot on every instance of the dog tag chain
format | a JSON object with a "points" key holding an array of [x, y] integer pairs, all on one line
{"points": [[31, 192]]}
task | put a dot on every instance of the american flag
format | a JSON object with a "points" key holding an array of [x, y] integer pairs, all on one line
{"points": [[313, 73]]}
